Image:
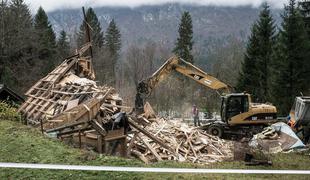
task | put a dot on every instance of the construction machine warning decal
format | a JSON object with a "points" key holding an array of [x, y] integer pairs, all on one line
{"points": [[264, 116], [198, 77], [195, 76]]}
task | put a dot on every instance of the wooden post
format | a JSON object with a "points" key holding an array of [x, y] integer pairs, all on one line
{"points": [[124, 147], [80, 140], [25, 119], [99, 144], [41, 126]]}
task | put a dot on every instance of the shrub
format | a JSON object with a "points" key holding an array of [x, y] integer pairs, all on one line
{"points": [[8, 112]]}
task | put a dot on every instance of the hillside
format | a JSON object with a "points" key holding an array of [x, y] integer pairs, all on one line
{"points": [[160, 23]]}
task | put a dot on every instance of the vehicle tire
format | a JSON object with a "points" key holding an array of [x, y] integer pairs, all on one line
{"points": [[215, 130]]}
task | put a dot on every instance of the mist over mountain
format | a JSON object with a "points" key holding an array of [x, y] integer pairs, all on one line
{"points": [[159, 23]]}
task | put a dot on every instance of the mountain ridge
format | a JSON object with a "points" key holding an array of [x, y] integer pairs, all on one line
{"points": [[159, 23]]}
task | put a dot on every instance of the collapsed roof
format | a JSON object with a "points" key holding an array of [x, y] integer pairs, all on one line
{"points": [[54, 93]]}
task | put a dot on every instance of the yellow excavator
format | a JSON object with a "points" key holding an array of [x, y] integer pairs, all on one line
{"points": [[239, 116]]}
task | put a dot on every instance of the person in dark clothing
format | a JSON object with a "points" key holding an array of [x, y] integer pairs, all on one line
{"points": [[195, 112]]}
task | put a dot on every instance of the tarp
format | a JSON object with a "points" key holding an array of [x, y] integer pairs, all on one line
{"points": [[284, 128], [276, 138]]}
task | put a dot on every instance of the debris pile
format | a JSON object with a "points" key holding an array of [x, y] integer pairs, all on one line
{"points": [[174, 140], [276, 138], [68, 104]]}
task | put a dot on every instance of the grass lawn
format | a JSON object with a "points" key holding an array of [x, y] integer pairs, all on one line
{"points": [[19, 143]]}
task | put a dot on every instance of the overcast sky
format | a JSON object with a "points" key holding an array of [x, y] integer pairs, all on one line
{"points": [[50, 5]]}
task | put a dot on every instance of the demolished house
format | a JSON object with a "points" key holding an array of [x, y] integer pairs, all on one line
{"points": [[69, 105]]}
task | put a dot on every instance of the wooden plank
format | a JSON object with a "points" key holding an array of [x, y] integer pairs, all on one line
{"points": [[118, 106], [115, 138], [98, 127], [64, 126], [74, 131], [150, 148], [140, 156], [132, 143], [68, 93], [41, 98], [55, 120]]}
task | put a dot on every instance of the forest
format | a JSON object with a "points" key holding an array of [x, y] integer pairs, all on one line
{"points": [[273, 64]]}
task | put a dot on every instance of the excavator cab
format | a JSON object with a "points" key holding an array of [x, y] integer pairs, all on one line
{"points": [[234, 104]]}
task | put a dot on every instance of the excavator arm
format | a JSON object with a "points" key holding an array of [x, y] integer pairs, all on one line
{"points": [[185, 68]]}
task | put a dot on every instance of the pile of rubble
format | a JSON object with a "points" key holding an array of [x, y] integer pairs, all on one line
{"points": [[276, 138], [155, 139], [185, 143]]}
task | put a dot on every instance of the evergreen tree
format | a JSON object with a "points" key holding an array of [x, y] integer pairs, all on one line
{"points": [[184, 42], [113, 45], [254, 77], [305, 11], [97, 37], [291, 63], [46, 39], [113, 39], [3, 25], [266, 33], [248, 78], [63, 45], [16, 40], [18, 24]]}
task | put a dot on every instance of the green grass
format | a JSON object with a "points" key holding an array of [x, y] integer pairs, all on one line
{"points": [[19, 143]]}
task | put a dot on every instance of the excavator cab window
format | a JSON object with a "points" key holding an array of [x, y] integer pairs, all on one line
{"points": [[234, 105]]}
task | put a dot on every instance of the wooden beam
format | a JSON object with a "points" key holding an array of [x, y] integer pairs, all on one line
{"points": [[112, 105], [132, 143], [64, 127], [140, 156], [150, 148], [73, 93], [74, 131], [98, 127], [99, 144]]}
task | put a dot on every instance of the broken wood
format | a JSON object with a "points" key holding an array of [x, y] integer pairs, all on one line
{"points": [[186, 143], [140, 156], [148, 134], [150, 148], [98, 127]]}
